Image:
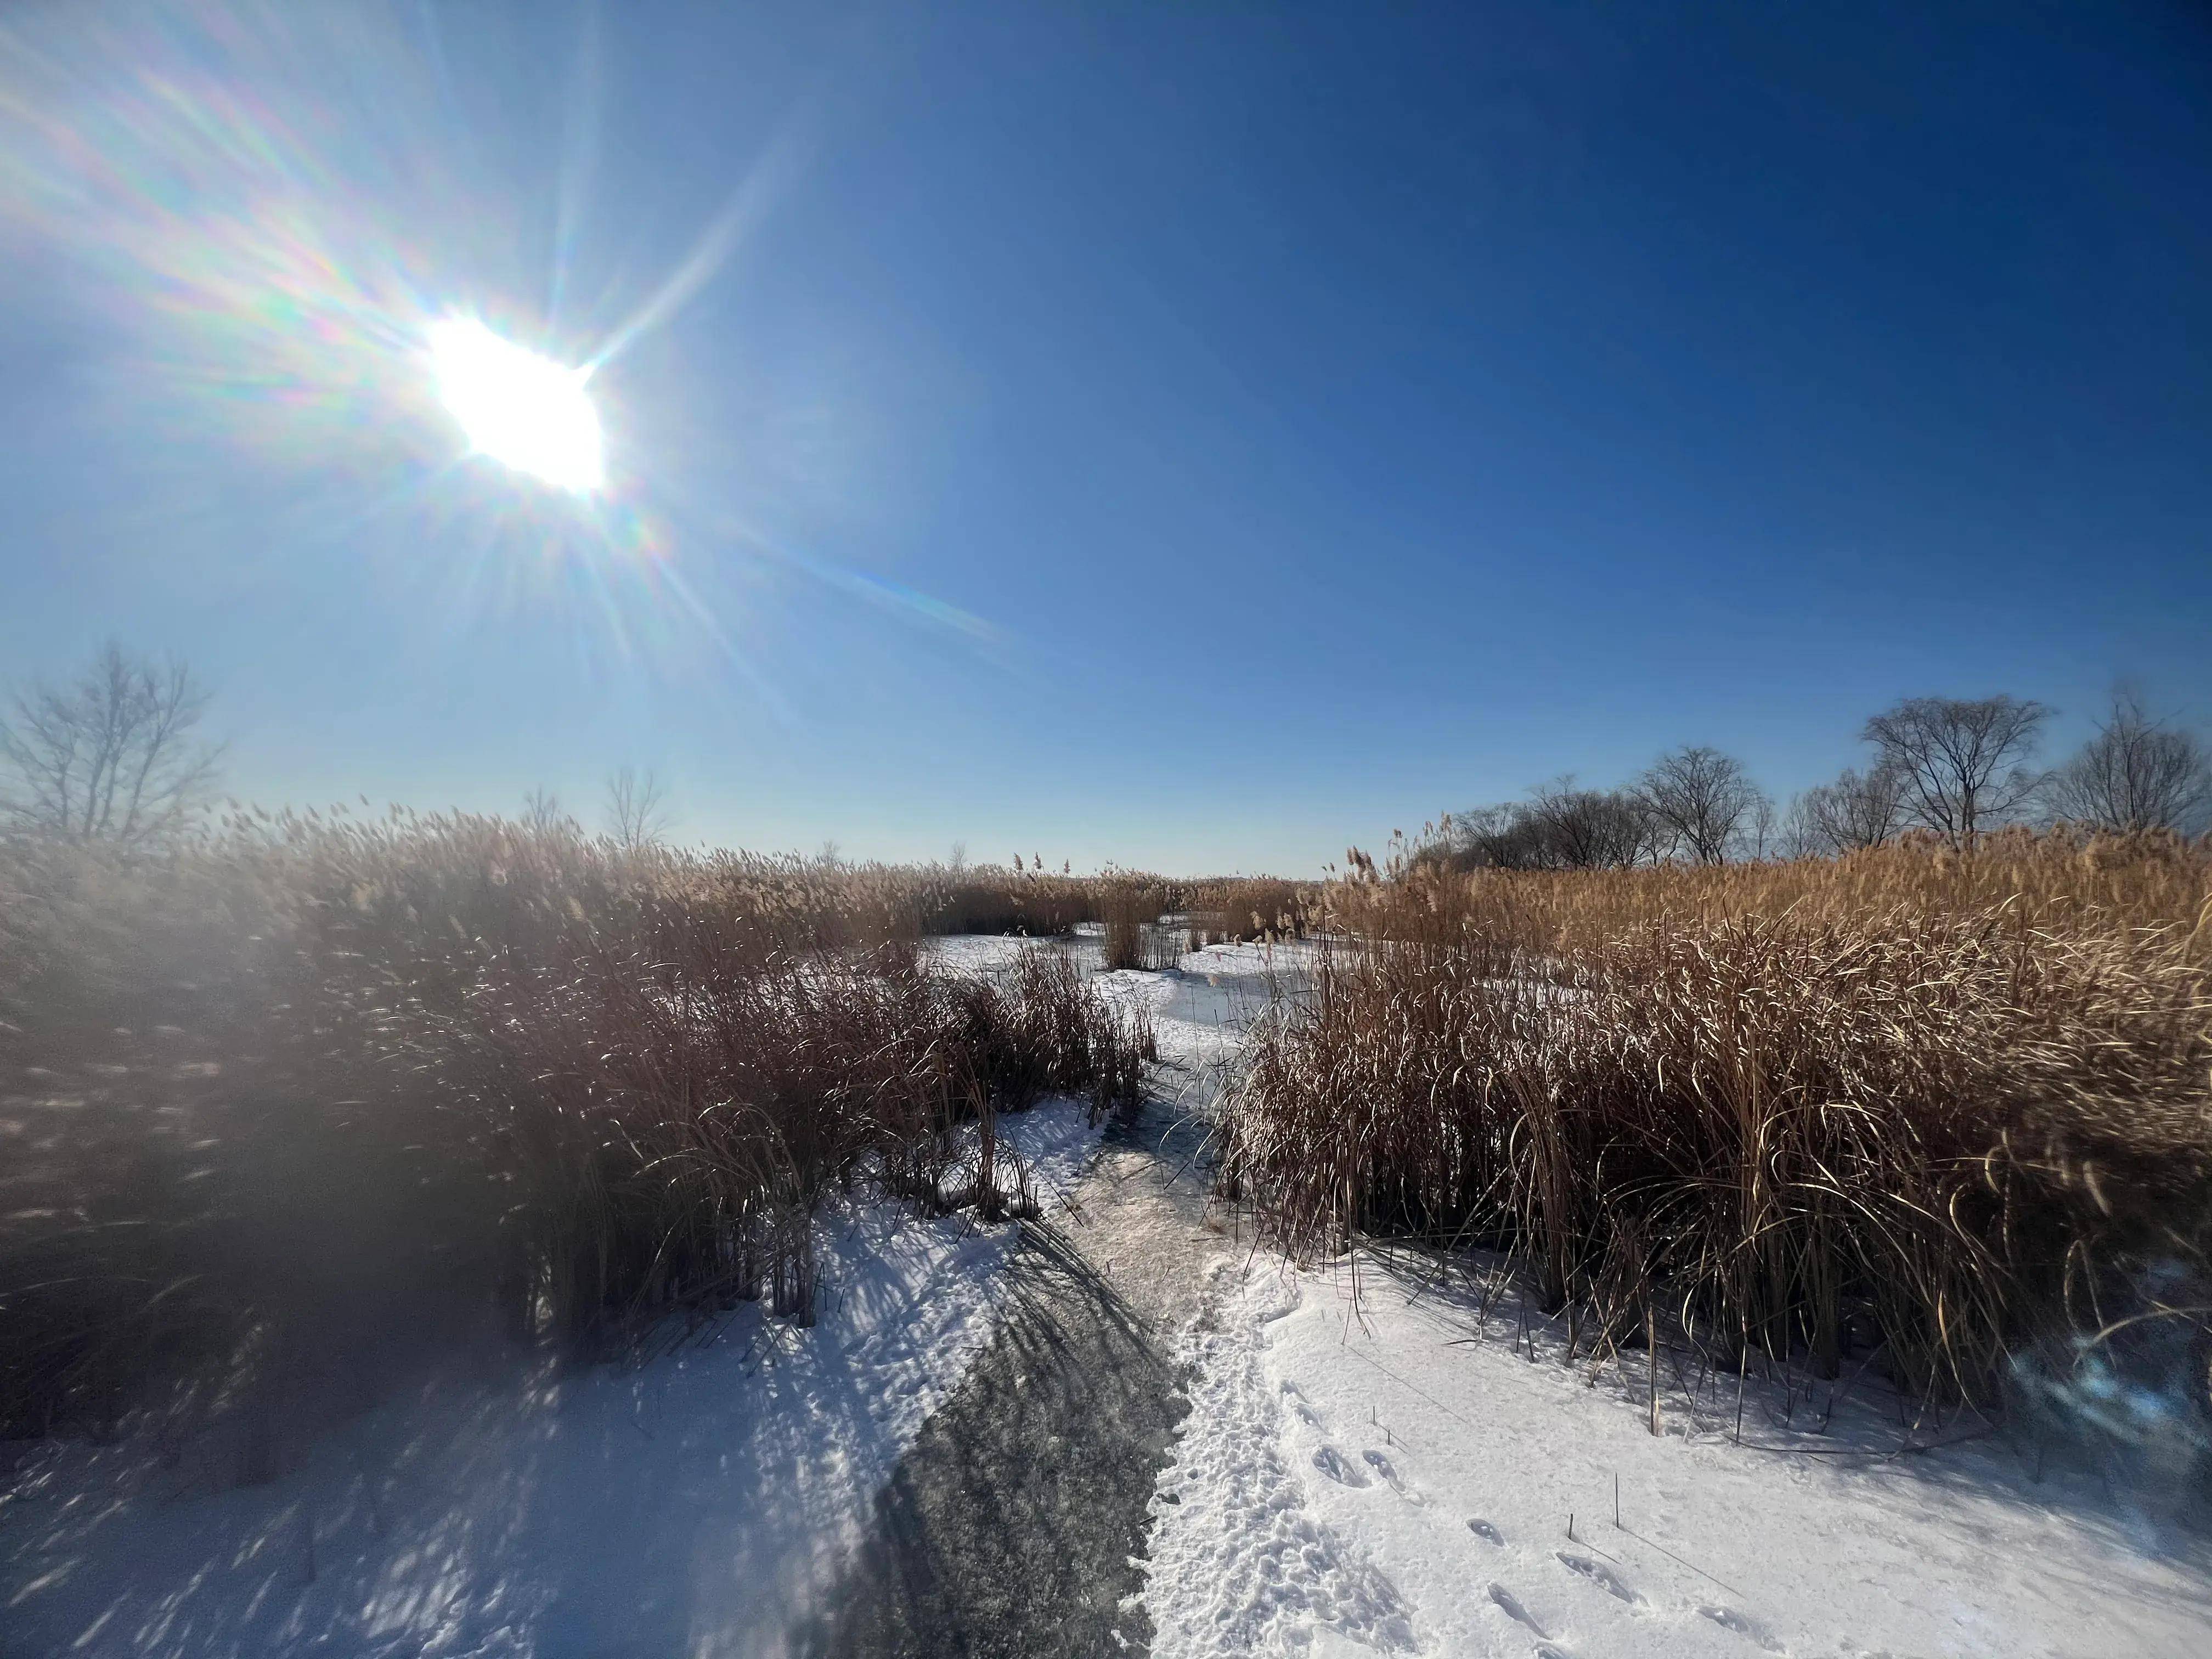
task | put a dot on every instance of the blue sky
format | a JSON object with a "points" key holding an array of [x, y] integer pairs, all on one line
{"points": [[1198, 437]]}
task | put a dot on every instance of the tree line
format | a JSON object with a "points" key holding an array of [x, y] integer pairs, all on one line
{"points": [[1953, 767], [116, 757]]}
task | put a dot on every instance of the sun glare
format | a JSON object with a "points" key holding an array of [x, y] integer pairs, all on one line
{"points": [[519, 408]]}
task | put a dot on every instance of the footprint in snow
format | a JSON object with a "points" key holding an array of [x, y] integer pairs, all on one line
{"points": [[1600, 1575], [1384, 1467], [1338, 1468], [1306, 1414], [1551, 1650], [1742, 1625], [1488, 1533], [1511, 1604]]}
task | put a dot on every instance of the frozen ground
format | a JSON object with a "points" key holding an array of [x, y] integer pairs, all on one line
{"points": [[697, 1505], [1399, 1475]]}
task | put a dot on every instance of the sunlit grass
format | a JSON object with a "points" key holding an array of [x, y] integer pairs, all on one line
{"points": [[306, 1082], [1943, 1112]]}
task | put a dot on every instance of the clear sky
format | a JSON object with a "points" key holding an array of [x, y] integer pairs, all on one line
{"points": [[1198, 436]]}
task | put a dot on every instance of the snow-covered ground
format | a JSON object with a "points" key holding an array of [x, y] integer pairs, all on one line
{"points": [[694, 1505], [1393, 1473]]}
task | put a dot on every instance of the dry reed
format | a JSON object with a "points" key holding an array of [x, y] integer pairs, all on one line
{"points": [[311, 1081], [1942, 1110], [1232, 909]]}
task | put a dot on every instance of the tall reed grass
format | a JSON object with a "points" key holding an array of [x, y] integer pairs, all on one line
{"points": [[1941, 1111], [311, 1081], [1232, 909], [1136, 936]]}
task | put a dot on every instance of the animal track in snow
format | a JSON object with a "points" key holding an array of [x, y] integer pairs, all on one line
{"points": [[1296, 1395], [1384, 1467], [1730, 1618], [1488, 1533], [1263, 1333], [1600, 1575], [1338, 1468], [1511, 1605]]}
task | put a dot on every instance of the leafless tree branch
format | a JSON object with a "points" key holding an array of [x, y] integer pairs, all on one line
{"points": [[637, 808], [1701, 799], [2137, 773], [112, 758], [1857, 809], [1961, 762]]}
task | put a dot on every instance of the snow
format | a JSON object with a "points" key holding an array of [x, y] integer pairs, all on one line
{"points": [[697, 1505], [1201, 1013], [1393, 1472]]}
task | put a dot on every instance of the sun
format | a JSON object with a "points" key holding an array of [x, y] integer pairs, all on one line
{"points": [[519, 408]]}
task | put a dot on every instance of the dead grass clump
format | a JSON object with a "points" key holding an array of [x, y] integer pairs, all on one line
{"points": [[2067, 880], [1235, 909], [1903, 1112], [1034, 903], [1131, 907], [302, 1085]]}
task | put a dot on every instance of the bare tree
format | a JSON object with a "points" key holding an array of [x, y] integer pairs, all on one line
{"points": [[1586, 829], [1505, 836], [115, 758], [1961, 762], [541, 811], [2136, 774], [1764, 835], [637, 809], [1857, 809], [1700, 799]]}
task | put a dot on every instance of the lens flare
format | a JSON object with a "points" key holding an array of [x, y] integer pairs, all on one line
{"points": [[294, 264], [517, 407]]}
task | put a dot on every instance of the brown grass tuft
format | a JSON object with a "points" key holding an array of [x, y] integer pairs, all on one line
{"points": [[1241, 908], [1942, 1110], [310, 1082]]}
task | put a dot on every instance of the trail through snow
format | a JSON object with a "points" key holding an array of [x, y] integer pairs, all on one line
{"points": [[1392, 1477]]}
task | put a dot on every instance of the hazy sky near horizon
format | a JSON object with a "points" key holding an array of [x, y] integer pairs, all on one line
{"points": [[1193, 436]]}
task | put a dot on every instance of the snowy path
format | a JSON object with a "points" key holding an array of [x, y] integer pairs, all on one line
{"points": [[1397, 1476], [1009, 1527], [1016, 1523]]}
